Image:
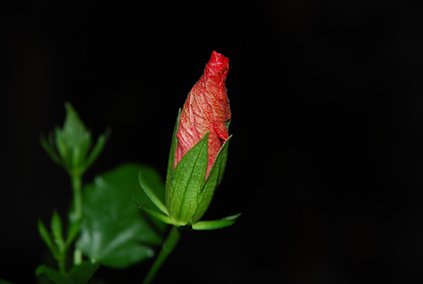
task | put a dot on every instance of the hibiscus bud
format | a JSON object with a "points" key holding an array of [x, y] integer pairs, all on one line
{"points": [[199, 148], [206, 110], [198, 153]]}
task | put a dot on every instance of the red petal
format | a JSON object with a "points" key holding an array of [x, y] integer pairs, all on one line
{"points": [[206, 109]]}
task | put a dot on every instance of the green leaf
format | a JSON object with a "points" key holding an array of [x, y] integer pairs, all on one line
{"points": [[76, 136], [79, 274], [82, 273], [47, 275], [215, 224], [73, 232], [187, 182], [152, 185], [114, 232], [49, 148], [171, 160], [57, 231], [96, 151], [75, 131], [45, 235], [62, 148], [213, 180]]}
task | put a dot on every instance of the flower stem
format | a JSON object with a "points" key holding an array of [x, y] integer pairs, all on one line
{"points": [[167, 248], [77, 210]]}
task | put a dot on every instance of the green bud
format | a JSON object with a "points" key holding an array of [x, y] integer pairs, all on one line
{"points": [[71, 145]]}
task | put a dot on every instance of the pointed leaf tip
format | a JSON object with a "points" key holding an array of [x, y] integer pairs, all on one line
{"points": [[147, 179], [216, 224]]}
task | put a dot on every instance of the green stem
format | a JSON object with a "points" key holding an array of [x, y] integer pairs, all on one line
{"points": [[167, 248], [77, 196], [61, 263], [77, 210]]}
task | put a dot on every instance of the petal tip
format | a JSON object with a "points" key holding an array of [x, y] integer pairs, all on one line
{"points": [[218, 63]]}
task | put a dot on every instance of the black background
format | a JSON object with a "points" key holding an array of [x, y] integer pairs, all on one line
{"points": [[326, 161]]}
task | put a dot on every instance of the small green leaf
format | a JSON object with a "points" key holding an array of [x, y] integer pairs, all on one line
{"points": [[45, 235], [72, 233], [82, 273], [57, 231], [170, 168], [96, 151], [152, 185], [49, 148], [74, 130], [213, 180], [47, 275], [215, 224], [76, 136], [79, 274], [62, 148], [187, 182], [114, 232]]}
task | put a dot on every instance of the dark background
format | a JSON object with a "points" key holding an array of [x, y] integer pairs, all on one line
{"points": [[326, 163]]}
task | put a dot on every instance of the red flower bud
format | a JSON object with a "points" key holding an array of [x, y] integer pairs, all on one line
{"points": [[206, 109]]}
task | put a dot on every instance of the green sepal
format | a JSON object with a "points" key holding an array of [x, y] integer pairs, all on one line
{"points": [[187, 182], [147, 179], [159, 216], [46, 237], [215, 224], [213, 180], [172, 152]]}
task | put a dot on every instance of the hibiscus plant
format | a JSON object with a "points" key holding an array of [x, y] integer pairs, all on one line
{"points": [[106, 224]]}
